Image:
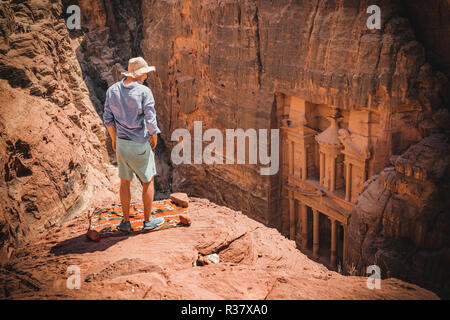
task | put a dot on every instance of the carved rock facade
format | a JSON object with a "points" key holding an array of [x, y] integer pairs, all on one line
{"points": [[345, 98]]}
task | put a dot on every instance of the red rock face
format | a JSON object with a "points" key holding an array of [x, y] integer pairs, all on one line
{"points": [[230, 64], [401, 219], [223, 63], [53, 159], [111, 35], [255, 262], [431, 25], [55, 154]]}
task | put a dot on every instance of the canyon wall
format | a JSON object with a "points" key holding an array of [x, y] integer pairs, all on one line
{"points": [[53, 163], [223, 62], [226, 63], [431, 23], [57, 161], [401, 220], [111, 34]]}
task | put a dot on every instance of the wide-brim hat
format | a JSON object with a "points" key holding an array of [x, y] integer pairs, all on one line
{"points": [[137, 67]]}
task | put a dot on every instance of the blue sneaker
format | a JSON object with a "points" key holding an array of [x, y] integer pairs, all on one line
{"points": [[124, 226], [153, 223]]}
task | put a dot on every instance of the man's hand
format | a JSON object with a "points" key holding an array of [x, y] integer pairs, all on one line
{"points": [[112, 134], [153, 141], [114, 144]]}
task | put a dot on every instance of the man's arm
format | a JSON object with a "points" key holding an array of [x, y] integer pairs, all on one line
{"points": [[112, 134], [108, 119], [150, 118], [153, 140]]}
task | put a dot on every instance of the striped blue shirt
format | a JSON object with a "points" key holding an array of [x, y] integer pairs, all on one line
{"points": [[132, 110]]}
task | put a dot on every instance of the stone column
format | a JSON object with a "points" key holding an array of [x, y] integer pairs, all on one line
{"points": [[304, 164], [291, 215], [304, 214], [348, 182], [333, 172], [333, 242], [316, 233], [326, 174], [344, 247], [322, 167], [291, 157]]}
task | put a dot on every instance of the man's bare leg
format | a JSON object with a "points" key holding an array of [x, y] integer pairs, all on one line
{"points": [[147, 197], [125, 198]]}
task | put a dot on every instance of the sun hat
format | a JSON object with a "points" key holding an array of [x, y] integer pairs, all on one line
{"points": [[137, 67]]}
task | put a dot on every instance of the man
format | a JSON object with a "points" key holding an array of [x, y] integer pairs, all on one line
{"points": [[130, 118]]}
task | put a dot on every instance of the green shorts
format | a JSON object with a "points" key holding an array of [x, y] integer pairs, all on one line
{"points": [[135, 157]]}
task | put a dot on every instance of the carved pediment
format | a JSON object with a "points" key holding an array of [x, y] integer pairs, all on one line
{"points": [[299, 126], [352, 148]]}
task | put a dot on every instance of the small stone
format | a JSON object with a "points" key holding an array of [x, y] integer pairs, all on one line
{"points": [[185, 219], [180, 199], [93, 235]]}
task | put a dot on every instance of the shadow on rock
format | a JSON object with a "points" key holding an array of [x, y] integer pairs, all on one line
{"points": [[80, 244]]}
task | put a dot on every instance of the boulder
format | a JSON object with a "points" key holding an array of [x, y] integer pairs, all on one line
{"points": [[180, 199]]}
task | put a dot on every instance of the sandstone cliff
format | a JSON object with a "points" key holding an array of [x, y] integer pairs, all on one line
{"points": [[401, 220], [111, 34], [431, 25], [225, 63], [54, 161], [256, 262], [53, 157]]}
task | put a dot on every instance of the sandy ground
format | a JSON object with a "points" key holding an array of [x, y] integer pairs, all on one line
{"points": [[256, 263]]}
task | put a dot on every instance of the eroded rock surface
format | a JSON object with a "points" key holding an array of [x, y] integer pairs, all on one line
{"points": [[274, 64], [53, 159], [224, 63], [111, 34], [256, 262], [401, 221]]}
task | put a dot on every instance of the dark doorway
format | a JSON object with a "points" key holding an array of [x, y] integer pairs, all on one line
{"points": [[309, 214], [324, 238], [276, 205], [340, 245]]}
